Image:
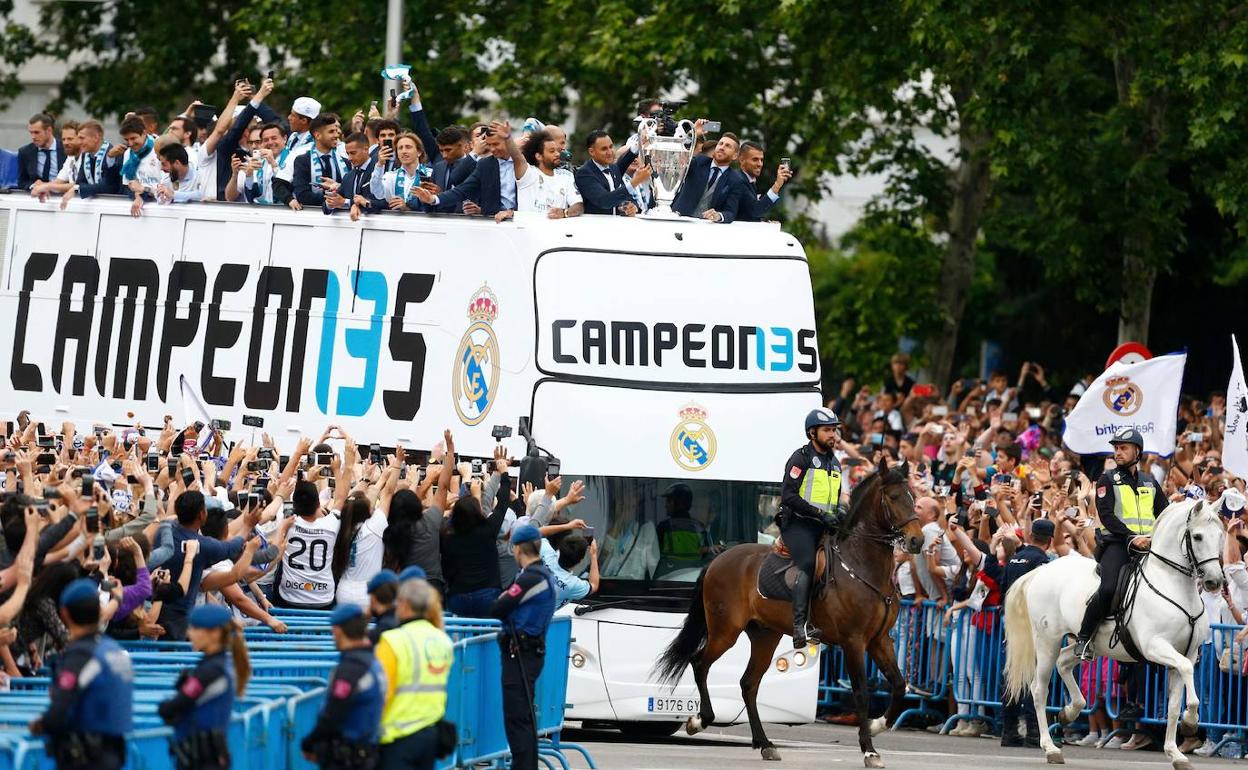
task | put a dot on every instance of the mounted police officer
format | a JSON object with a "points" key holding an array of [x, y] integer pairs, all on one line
{"points": [[525, 608], [1128, 503], [200, 710], [349, 727], [811, 502], [92, 689]]}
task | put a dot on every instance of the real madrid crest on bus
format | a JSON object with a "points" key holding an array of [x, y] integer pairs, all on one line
{"points": [[1122, 396], [693, 441], [475, 376]]}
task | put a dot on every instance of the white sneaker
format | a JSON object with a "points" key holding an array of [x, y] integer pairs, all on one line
{"points": [[1138, 741], [1112, 743], [974, 729], [1091, 739], [1206, 750], [960, 729]]}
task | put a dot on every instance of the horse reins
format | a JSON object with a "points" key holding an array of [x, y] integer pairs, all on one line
{"points": [[886, 538], [1189, 570]]}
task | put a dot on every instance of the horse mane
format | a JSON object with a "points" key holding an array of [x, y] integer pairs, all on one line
{"points": [[858, 498]]}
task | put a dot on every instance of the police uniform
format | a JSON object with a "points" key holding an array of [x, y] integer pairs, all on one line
{"points": [[416, 658], [201, 707], [349, 727], [1128, 503], [90, 697], [385, 620], [810, 503], [1024, 560], [525, 609]]}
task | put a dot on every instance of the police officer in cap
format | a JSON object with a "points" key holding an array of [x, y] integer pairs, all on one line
{"points": [[811, 501], [525, 609], [1128, 503], [1030, 556], [383, 592], [92, 689], [349, 727], [200, 709]]}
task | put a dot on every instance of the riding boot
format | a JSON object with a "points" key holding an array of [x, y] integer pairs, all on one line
{"points": [[803, 631]]}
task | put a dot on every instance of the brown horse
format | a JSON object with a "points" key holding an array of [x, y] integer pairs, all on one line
{"points": [[855, 608]]}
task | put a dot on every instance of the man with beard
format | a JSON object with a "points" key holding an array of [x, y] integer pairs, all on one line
{"points": [[540, 188]]}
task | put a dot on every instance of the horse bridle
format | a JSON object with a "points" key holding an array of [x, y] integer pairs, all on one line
{"points": [[1191, 570], [895, 531]]}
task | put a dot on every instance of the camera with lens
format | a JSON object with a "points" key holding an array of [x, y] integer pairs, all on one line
{"points": [[664, 115]]}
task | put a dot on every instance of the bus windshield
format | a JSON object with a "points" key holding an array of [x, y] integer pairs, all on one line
{"points": [[655, 535]]}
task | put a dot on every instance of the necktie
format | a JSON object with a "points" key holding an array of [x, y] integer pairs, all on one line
{"points": [[610, 179], [714, 176], [329, 168], [92, 177], [46, 155]]}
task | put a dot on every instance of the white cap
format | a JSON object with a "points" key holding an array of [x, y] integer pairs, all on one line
{"points": [[307, 107], [1233, 500]]}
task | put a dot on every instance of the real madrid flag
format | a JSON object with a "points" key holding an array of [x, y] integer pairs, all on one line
{"points": [[1235, 440], [1143, 395]]}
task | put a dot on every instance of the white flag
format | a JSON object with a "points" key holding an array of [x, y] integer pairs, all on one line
{"points": [[1144, 396], [1235, 440]]}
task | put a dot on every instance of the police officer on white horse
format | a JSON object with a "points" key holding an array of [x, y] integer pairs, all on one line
{"points": [[812, 500], [1128, 503]]}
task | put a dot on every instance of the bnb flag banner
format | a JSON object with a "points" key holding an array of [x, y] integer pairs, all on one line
{"points": [[1143, 395], [1235, 439]]}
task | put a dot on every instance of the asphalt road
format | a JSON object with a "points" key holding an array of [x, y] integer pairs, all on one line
{"points": [[819, 745]]}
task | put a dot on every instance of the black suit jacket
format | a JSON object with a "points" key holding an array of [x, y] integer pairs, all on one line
{"points": [[481, 187], [304, 190], [746, 204], [230, 141], [29, 164], [109, 179], [699, 173], [448, 176], [591, 182]]}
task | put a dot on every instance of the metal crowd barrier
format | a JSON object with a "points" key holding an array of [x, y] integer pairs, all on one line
{"points": [[921, 643], [287, 691], [964, 659]]}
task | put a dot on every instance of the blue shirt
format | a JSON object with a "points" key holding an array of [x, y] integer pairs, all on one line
{"points": [[570, 587], [211, 551], [507, 184]]}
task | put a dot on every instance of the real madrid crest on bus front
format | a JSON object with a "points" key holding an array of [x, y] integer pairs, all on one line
{"points": [[475, 377], [693, 441]]}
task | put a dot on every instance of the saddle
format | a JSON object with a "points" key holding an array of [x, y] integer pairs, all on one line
{"points": [[1123, 602], [778, 573]]}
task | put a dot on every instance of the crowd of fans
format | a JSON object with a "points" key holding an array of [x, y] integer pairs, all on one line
{"points": [[987, 463], [371, 163], [168, 520]]}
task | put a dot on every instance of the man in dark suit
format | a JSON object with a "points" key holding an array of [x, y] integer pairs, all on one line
{"points": [[40, 160], [379, 131], [601, 181], [353, 193], [98, 173], [454, 164], [330, 164], [710, 180], [490, 189], [747, 205]]}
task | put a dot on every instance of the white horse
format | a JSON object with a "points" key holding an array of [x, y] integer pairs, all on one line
{"points": [[1167, 623]]}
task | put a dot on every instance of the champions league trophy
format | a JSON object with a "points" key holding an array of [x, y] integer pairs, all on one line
{"points": [[669, 158]]}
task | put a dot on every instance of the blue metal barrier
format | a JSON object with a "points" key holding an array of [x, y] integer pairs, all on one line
{"points": [[921, 643]]}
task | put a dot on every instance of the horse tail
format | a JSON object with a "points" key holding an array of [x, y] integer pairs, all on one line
{"points": [[1020, 645], [688, 642]]}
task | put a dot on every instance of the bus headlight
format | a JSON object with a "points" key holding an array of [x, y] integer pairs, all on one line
{"points": [[782, 664], [799, 659], [578, 660]]}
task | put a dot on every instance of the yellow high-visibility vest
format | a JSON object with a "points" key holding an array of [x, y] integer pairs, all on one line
{"points": [[423, 653]]}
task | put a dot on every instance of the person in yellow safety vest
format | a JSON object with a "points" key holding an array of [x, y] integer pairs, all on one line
{"points": [[416, 657], [812, 500], [1128, 502]]}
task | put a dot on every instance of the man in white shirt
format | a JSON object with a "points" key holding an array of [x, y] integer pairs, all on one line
{"points": [[182, 182], [306, 580], [539, 188]]}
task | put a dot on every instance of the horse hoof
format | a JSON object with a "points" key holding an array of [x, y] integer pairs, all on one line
{"points": [[693, 725], [770, 754], [872, 760], [1054, 757], [1183, 764]]}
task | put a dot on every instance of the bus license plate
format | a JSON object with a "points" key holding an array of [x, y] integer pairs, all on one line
{"points": [[668, 705]]}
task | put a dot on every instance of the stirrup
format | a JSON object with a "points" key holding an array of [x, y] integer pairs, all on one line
{"points": [[806, 634], [1083, 648]]}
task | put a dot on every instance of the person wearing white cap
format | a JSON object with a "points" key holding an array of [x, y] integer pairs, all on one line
{"points": [[304, 110]]}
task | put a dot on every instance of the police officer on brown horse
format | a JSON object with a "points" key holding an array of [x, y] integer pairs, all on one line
{"points": [[812, 501]]}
